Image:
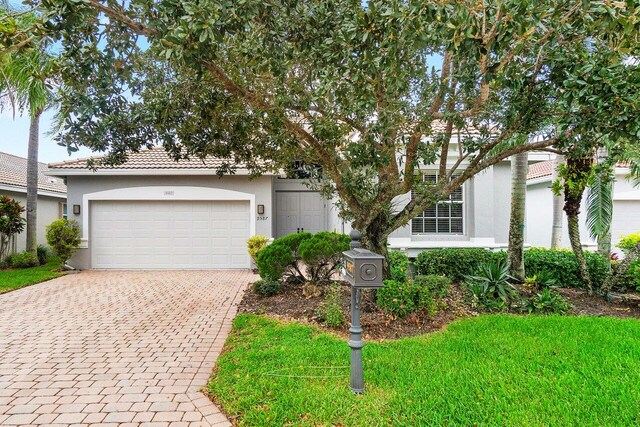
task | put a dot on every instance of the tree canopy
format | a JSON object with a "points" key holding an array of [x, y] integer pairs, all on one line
{"points": [[371, 92]]}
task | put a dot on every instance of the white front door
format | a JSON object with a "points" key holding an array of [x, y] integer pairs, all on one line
{"points": [[299, 211], [169, 234]]}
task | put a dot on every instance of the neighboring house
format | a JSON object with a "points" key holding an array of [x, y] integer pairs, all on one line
{"points": [[52, 195], [626, 208], [154, 213]]}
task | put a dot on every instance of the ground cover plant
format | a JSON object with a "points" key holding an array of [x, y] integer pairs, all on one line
{"points": [[472, 373], [17, 278]]}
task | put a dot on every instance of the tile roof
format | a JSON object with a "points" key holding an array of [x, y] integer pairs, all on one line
{"points": [[543, 169], [540, 169], [13, 172], [154, 158]]}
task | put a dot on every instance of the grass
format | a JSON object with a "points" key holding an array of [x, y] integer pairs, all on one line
{"points": [[21, 277], [492, 370]]}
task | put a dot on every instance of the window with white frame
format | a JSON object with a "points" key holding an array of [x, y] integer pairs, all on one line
{"points": [[446, 217]]}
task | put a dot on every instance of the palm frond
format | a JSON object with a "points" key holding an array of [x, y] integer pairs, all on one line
{"points": [[600, 204]]}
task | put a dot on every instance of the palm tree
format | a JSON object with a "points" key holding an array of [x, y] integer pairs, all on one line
{"points": [[515, 259], [599, 206], [26, 85], [556, 228]]}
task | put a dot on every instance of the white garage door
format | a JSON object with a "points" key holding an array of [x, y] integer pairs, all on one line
{"points": [[169, 235], [626, 218]]}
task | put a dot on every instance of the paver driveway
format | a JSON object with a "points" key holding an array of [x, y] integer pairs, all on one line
{"points": [[115, 348]]}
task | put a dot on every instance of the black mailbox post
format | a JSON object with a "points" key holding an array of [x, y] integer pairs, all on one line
{"points": [[363, 269]]}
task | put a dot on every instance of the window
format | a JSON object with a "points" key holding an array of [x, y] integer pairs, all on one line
{"points": [[62, 210], [443, 218]]}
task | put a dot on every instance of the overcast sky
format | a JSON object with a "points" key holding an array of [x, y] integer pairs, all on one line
{"points": [[14, 138]]}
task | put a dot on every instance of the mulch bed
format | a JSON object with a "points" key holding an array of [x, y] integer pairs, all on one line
{"points": [[292, 304]]}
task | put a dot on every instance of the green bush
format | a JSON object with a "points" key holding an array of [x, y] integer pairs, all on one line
{"points": [[292, 241], [24, 260], [455, 263], [274, 260], [563, 265], [560, 265], [398, 266], [322, 254], [255, 244], [397, 298], [330, 310], [43, 254], [438, 286], [634, 275], [628, 242], [266, 287], [548, 302], [63, 236], [491, 284]]}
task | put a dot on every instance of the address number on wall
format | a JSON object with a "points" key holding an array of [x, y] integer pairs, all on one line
{"points": [[262, 218]]}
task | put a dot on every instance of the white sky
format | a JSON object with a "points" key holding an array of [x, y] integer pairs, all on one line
{"points": [[14, 137]]}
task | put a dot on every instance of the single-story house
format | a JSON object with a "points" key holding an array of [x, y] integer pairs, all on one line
{"points": [[52, 195], [154, 213], [626, 208]]}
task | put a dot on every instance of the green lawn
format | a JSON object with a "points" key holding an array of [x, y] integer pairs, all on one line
{"points": [[492, 370], [20, 277]]}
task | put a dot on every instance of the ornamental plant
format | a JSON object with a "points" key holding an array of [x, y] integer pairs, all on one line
{"points": [[255, 244], [322, 255], [63, 236], [629, 241], [11, 223]]}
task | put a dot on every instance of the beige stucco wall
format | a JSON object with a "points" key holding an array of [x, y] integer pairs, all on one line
{"points": [[48, 211]]}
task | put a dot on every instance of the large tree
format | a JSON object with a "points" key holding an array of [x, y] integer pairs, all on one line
{"points": [[26, 85], [370, 92]]}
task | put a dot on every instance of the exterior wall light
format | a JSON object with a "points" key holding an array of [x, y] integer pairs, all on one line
{"points": [[260, 209], [76, 209]]}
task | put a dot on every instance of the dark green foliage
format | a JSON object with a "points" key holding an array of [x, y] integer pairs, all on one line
{"points": [[330, 310], [293, 241], [274, 260], [634, 275], [563, 265], [266, 287], [398, 266], [549, 264], [397, 298], [322, 254], [24, 260], [491, 284], [11, 223], [548, 302], [63, 236], [541, 280], [44, 253], [454, 263], [438, 286]]}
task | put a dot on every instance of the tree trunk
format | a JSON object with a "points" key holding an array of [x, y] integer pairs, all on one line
{"points": [[573, 192], [32, 183], [604, 241], [515, 257], [556, 228]]}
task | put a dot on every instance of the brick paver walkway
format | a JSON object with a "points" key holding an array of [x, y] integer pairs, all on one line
{"points": [[117, 348]]}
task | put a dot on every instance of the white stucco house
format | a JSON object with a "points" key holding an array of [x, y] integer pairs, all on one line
{"points": [[52, 195], [626, 208], [154, 213]]}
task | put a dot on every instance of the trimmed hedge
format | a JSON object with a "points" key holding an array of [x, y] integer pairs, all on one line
{"points": [[457, 263]]}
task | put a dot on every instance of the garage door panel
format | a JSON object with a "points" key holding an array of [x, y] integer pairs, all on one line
{"points": [[166, 235]]}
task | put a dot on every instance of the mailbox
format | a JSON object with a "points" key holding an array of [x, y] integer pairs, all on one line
{"points": [[363, 268]]}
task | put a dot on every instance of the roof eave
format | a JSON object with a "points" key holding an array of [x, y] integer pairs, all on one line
{"points": [[63, 172], [41, 192]]}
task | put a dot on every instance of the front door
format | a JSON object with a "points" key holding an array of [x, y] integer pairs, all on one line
{"points": [[298, 211]]}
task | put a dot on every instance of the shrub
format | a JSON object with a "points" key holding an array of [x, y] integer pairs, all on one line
{"points": [[397, 298], [543, 279], [292, 241], [274, 260], [491, 283], [24, 260], [398, 266], [44, 253], [548, 302], [454, 263], [266, 287], [63, 236], [322, 254], [330, 310], [628, 242], [255, 244], [438, 286], [11, 223], [633, 275], [563, 265]]}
